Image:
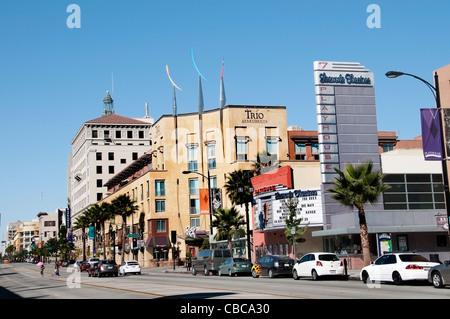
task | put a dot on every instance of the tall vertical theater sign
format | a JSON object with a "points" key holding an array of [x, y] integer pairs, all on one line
{"points": [[347, 123]]}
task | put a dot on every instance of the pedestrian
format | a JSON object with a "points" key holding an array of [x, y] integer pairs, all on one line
{"points": [[56, 272], [188, 263], [42, 270]]}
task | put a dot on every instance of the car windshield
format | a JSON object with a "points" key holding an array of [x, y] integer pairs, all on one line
{"points": [[412, 257], [328, 257]]}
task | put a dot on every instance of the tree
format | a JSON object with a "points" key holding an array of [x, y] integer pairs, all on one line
{"points": [[228, 222], [355, 187], [82, 223], [293, 222], [238, 188], [124, 206]]}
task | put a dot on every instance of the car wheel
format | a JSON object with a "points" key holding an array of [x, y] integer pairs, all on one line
{"points": [[254, 274], [314, 275], [437, 280], [206, 271], [295, 275], [397, 278], [271, 274], [194, 272], [220, 273], [230, 273]]}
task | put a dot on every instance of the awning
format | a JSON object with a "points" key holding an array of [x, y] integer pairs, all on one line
{"points": [[157, 241]]}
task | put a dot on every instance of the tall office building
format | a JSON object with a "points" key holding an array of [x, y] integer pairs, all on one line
{"points": [[101, 148]]}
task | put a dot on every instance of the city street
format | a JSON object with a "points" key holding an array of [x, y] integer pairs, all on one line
{"points": [[22, 280]]}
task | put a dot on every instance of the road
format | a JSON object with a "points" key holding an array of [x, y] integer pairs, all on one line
{"points": [[23, 281]]}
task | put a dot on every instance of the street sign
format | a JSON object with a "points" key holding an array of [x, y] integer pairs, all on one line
{"points": [[133, 235]]}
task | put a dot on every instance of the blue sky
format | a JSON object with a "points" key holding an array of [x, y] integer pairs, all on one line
{"points": [[53, 78]]}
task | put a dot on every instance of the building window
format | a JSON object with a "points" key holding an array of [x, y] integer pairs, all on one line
{"points": [[212, 156], [195, 222], [99, 183], [192, 158], [111, 156], [241, 149], [315, 150], [106, 134], [99, 169], [123, 161], [111, 169], [160, 188], [388, 147], [99, 196], [160, 206], [94, 133], [118, 134], [134, 156], [129, 134], [98, 156], [193, 186], [161, 226], [414, 191], [272, 147], [194, 206], [141, 134]]}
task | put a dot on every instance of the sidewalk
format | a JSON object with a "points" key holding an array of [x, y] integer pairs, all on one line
{"points": [[353, 274]]}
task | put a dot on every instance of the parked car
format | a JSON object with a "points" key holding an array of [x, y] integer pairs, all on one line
{"points": [[273, 266], [439, 275], [235, 266], [106, 268], [129, 267], [397, 268], [318, 264], [209, 260]]}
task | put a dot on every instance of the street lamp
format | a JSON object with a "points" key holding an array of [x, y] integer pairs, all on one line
{"points": [[210, 200], [435, 90]]}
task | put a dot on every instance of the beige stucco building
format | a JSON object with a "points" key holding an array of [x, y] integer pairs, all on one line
{"points": [[212, 143]]}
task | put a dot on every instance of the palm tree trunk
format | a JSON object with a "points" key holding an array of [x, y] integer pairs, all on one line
{"points": [[124, 226], [83, 234], [364, 236]]}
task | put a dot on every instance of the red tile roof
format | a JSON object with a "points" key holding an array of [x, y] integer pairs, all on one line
{"points": [[115, 119]]}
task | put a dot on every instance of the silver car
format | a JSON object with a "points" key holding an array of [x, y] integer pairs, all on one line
{"points": [[439, 275]]}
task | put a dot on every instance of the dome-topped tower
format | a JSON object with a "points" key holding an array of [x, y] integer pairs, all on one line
{"points": [[108, 107]]}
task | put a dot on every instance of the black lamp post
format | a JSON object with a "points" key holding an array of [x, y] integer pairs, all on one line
{"points": [[435, 90], [210, 199]]}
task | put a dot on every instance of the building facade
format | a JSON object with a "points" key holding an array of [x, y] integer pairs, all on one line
{"points": [[101, 148], [170, 186]]}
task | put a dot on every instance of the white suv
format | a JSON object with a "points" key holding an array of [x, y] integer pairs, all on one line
{"points": [[93, 260]]}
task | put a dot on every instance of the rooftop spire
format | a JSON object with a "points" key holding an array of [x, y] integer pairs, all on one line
{"points": [[108, 107]]}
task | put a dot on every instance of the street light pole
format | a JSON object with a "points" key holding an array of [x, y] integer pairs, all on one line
{"points": [[435, 90], [209, 200]]}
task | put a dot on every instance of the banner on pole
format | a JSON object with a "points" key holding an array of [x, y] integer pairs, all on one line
{"points": [[431, 134]]}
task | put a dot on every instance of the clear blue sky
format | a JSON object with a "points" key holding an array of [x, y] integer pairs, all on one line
{"points": [[53, 78]]}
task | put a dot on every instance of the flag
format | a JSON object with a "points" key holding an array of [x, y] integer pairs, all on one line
{"points": [[431, 134]]}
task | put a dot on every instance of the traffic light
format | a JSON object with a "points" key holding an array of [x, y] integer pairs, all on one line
{"points": [[135, 243]]}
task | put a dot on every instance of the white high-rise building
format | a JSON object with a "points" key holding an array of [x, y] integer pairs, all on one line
{"points": [[101, 148]]}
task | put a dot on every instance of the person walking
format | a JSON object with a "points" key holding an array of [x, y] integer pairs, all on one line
{"points": [[56, 272], [42, 270]]}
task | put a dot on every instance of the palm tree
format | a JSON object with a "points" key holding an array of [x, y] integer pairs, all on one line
{"points": [[239, 190], [228, 222], [355, 187], [124, 206], [82, 223]]}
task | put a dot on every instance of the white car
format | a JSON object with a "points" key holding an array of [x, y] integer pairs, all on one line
{"points": [[318, 264], [397, 268], [129, 267]]}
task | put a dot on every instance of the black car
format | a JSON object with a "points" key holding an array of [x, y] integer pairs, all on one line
{"points": [[106, 268], [273, 266]]}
